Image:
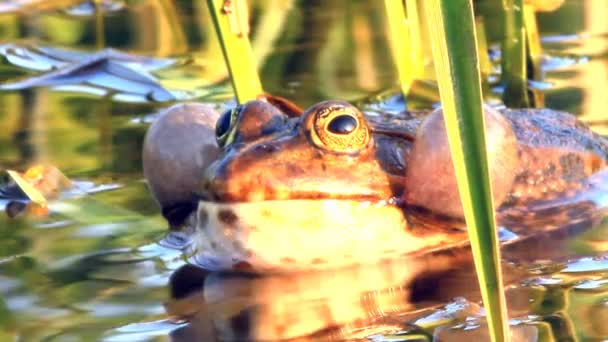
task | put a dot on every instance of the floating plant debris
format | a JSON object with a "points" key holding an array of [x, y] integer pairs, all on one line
{"points": [[31, 190], [40, 183]]}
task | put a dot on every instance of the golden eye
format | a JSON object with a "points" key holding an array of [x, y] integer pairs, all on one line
{"points": [[337, 126]]}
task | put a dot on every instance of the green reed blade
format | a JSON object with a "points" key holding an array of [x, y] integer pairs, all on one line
{"points": [[170, 36], [415, 27], [514, 72], [485, 64], [404, 40], [453, 42], [231, 23]]}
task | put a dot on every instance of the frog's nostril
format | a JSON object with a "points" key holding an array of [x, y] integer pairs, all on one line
{"points": [[265, 148]]}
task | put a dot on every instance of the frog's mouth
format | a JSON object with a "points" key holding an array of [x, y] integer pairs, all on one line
{"points": [[304, 234], [259, 212]]}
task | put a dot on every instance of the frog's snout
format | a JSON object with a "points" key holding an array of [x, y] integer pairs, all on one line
{"points": [[243, 180]]}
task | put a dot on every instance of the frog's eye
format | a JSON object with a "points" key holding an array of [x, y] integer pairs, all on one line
{"points": [[337, 126], [342, 124], [248, 122], [224, 125]]}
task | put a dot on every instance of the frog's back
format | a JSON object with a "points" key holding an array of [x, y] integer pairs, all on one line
{"points": [[557, 155], [547, 128], [555, 165]]}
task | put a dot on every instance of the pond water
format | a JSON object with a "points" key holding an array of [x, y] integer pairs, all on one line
{"points": [[100, 266]]}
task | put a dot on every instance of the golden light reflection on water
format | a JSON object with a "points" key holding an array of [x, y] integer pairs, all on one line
{"points": [[333, 304], [85, 278], [595, 73], [431, 296]]}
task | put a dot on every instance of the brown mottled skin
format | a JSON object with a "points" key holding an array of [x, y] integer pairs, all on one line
{"points": [[282, 163], [276, 159]]}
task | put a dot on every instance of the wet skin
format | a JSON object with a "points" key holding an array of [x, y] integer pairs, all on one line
{"points": [[285, 182], [267, 155], [333, 151]]}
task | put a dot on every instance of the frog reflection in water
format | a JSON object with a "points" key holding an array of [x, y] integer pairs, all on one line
{"points": [[286, 189]]}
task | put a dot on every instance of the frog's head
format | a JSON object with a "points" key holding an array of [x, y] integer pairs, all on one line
{"points": [[310, 191], [328, 152]]}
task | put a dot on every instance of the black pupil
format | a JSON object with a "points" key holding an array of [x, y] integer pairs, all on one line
{"points": [[223, 124], [342, 124]]}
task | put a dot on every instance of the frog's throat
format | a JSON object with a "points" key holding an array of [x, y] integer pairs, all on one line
{"points": [[296, 235]]}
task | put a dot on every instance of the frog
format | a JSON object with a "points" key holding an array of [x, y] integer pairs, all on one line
{"points": [[331, 186]]}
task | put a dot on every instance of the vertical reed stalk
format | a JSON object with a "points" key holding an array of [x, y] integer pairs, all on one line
{"points": [[405, 41], [170, 36], [454, 47], [534, 53], [485, 64], [514, 72], [100, 37], [231, 21], [533, 40], [412, 11]]}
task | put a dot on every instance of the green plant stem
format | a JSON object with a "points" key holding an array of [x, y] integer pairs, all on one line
{"points": [[415, 25], [482, 47], [514, 72], [533, 40], [404, 41], [453, 41], [399, 39], [231, 27], [534, 54], [100, 38]]}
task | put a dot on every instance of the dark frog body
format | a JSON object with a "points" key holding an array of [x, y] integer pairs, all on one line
{"points": [[332, 187]]}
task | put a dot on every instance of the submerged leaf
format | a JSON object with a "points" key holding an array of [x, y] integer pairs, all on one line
{"points": [[88, 8], [8, 6], [107, 72], [71, 56], [77, 7]]}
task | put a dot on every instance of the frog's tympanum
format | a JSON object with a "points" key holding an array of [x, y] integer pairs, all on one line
{"points": [[330, 186]]}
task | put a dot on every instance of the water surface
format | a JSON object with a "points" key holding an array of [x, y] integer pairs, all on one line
{"points": [[99, 267]]}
